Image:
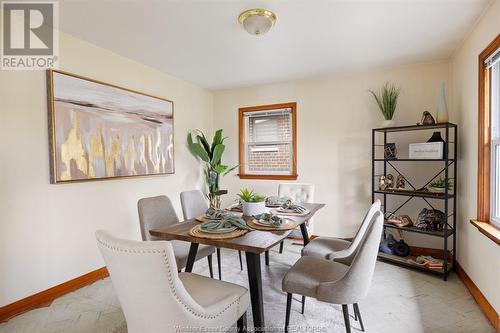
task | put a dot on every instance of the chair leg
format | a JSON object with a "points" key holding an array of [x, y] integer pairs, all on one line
{"points": [[358, 314], [355, 313], [241, 260], [242, 323], [267, 258], [303, 304], [345, 310], [219, 264], [281, 246], [288, 306], [210, 268]]}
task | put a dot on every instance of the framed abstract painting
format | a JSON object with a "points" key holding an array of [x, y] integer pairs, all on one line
{"points": [[102, 131]]}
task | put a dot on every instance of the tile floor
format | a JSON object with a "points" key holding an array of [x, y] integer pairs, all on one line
{"points": [[400, 300]]}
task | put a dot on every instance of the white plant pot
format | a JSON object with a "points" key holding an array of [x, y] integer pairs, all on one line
{"points": [[388, 123], [254, 208]]}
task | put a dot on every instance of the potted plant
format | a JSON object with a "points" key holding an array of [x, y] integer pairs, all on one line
{"points": [[252, 203], [211, 155], [439, 185], [387, 100]]}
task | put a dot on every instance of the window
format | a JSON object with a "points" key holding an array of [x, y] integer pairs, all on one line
{"points": [[268, 142], [493, 64], [488, 185]]}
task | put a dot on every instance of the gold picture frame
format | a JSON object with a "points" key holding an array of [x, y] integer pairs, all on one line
{"points": [[101, 131]]}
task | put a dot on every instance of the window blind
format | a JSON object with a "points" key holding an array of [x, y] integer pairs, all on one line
{"points": [[493, 59]]}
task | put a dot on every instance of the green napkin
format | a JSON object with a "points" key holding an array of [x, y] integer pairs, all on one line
{"points": [[270, 218], [226, 222], [217, 214], [289, 205]]}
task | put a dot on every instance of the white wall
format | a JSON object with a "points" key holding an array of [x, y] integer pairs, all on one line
{"points": [[479, 256], [335, 118], [47, 231]]}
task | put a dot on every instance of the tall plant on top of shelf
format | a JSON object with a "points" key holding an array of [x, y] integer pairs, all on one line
{"points": [[387, 100], [211, 155]]}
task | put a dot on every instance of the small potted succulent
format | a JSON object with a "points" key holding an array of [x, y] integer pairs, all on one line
{"points": [[439, 185], [252, 203]]}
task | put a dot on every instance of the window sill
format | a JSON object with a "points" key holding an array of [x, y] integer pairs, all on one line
{"points": [[488, 230], [269, 177]]}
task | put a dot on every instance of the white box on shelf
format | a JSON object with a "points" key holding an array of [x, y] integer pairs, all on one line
{"points": [[427, 150]]}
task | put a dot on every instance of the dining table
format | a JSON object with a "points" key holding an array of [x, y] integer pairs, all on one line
{"points": [[253, 243]]}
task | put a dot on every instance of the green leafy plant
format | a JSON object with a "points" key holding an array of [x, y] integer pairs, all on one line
{"points": [[247, 195], [211, 155], [387, 100], [441, 183]]}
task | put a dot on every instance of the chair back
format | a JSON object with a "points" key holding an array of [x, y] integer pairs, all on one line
{"points": [[145, 279], [348, 254], [298, 192], [354, 285], [155, 212], [193, 204]]}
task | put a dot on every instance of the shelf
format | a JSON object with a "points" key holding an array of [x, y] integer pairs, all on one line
{"points": [[413, 159], [403, 261], [419, 231], [414, 128], [419, 194]]}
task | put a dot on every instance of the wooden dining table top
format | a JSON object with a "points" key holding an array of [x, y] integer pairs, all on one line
{"points": [[254, 241]]}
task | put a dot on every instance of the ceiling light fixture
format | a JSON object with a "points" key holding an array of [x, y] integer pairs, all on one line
{"points": [[257, 21]]}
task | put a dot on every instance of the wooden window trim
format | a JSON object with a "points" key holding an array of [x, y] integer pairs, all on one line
{"points": [[484, 139], [242, 161]]}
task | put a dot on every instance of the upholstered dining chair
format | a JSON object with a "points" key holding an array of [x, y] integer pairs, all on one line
{"points": [[157, 212], [337, 248], [156, 299], [298, 192], [195, 204], [334, 282]]}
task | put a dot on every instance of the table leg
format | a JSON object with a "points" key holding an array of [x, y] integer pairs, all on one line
{"points": [[255, 284], [191, 257], [305, 235]]}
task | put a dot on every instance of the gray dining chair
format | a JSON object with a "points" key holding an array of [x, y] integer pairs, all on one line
{"points": [[195, 204], [337, 248], [155, 298], [334, 282], [158, 212]]}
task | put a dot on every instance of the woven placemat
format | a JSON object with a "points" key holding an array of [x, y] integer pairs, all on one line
{"points": [[278, 212], [287, 225], [203, 218], [197, 232]]}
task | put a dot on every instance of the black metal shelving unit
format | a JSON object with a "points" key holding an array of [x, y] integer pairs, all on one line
{"points": [[448, 198]]}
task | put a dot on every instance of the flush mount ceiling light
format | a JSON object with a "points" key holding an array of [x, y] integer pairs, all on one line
{"points": [[257, 21]]}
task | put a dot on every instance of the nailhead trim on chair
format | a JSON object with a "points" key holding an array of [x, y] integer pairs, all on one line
{"points": [[171, 283]]}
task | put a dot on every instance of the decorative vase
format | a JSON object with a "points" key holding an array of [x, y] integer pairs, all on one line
{"points": [[388, 123], [442, 114], [436, 137], [254, 208]]}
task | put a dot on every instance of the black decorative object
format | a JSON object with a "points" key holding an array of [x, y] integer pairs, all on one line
{"points": [[431, 220], [439, 218], [401, 249], [427, 119], [436, 137], [390, 151]]}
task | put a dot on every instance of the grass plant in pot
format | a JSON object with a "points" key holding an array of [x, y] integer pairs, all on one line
{"points": [[387, 100], [252, 203]]}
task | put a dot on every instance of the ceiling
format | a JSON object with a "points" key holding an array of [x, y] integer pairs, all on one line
{"points": [[202, 42]]}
